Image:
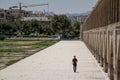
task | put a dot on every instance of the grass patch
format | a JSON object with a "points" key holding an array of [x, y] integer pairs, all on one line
{"points": [[20, 49], [9, 41], [44, 43], [11, 62], [11, 50]]}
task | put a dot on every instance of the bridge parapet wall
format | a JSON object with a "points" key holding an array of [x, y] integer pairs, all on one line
{"points": [[104, 13], [101, 33], [104, 43]]}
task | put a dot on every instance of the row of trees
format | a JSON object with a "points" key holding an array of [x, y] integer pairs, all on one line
{"points": [[60, 25], [63, 26]]}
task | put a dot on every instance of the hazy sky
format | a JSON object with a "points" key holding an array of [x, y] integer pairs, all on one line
{"points": [[56, 6]]}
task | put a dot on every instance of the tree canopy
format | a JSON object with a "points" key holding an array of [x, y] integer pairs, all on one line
{"points": [[59, 25]]}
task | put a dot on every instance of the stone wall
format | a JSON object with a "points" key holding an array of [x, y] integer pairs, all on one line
{"points": [[101, 33], [104, 13], [104, 43]]}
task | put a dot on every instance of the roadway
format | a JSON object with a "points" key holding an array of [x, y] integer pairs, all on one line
{"points": [[55, 63]]}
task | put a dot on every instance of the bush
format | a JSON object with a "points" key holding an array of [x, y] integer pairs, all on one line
{"points": [[2, 37], [38, 36]]}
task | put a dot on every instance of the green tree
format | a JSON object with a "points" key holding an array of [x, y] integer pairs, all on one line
{"points": [[60, 24], [7, 28], [27, 28], [77, 29]]}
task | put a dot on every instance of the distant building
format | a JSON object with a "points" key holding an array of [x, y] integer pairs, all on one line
{"points": [[2, 15], [25, 15], [5, 14], [28, 13], [44, 18], [39, 16], [78, 17]]}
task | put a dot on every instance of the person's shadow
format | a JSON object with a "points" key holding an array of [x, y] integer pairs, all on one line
{"points": [[76, 72]]}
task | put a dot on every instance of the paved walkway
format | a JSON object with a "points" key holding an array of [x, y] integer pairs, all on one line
{"points": [[54, 63]]}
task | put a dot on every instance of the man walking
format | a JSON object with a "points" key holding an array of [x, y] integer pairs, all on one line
{"points": [[74, 61]]}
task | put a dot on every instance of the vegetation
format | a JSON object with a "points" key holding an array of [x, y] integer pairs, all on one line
{"points": [[12, 51], [2, 37], [60, 25], [11, 62]]}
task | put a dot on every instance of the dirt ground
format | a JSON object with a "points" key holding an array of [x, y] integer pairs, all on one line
{"points": [[13, 51]]}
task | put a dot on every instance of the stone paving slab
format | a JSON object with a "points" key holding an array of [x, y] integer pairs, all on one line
{"points": [[55, 63]]}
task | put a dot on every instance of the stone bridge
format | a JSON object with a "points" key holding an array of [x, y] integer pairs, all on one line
{"points": [[101, 33]]}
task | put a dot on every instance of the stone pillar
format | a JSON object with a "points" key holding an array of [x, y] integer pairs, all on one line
{"points": [[114, 50], [101, 47], [97, 57], [96, 45], [117, 64], [103, 42], [119, 9], [118, 68], [117, 54], [110, 57], [105, 67], [108, 47]]}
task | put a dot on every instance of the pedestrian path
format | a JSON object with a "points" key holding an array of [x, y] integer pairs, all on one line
{"points": [[55, 63]]}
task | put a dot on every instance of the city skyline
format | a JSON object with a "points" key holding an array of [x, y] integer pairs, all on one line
{"points": [[58, 7]]}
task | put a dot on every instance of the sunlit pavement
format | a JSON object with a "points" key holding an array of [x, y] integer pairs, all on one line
{"points": [[55, 63]]}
